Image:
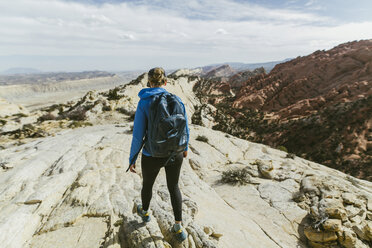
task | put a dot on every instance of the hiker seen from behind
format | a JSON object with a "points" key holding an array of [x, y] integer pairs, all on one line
{"points": [[161, 129]]}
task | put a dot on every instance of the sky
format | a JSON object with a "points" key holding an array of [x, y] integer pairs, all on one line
{"points": [[119, 35]]}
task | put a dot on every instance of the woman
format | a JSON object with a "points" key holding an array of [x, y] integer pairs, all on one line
{"points": [[151, 165]]}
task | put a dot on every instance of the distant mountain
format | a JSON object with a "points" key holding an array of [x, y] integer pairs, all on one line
{"points": [[51, 77], [20, 70], [238, 66], [221, 83], [221, 71], [317, 106]]}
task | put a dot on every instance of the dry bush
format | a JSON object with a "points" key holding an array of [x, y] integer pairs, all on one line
{"points": [[20, 115], [127, 112], [46, 117], [236, 177], [78, 114], [113, 94], [202, 138], [291, 155], [76, 124], [106, 108]]}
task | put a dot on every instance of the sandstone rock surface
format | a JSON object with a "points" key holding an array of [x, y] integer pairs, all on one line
{"points": [[70, 188], [73, 187], [7, 109]]}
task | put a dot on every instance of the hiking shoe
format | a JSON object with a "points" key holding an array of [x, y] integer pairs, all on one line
{"points": [[145, 215], [178, 231]]}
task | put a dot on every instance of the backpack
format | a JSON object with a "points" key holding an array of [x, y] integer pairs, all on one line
{"points": [[166, 127]]}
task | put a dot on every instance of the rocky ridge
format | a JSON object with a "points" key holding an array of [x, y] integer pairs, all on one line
{"points": [[323, 78], [70, 187], [324, 98], [238, 66], [216, 88], [221, 71]]}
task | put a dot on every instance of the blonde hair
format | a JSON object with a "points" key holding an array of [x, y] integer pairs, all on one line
{"points": [[157, 77]]}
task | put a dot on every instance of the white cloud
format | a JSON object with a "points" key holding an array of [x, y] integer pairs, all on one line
{"points": [[98, 20], [228, 10], [221, 31], [127, 36], [310, 2], [314, 5], [144, 35]]}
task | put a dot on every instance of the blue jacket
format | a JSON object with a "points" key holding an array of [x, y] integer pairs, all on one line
{"points": [[140, 121]]}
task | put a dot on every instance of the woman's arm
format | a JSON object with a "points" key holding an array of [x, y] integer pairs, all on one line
{"points": [[139, 130], [187, 129]]}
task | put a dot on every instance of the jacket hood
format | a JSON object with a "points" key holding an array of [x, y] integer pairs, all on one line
{"points": [[147, 92]]}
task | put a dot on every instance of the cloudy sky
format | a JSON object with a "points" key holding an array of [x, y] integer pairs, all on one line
{"points": [[68, 35]]}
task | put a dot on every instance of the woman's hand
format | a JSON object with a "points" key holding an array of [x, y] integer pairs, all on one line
{"points": [[184, 154], [132, 168]]}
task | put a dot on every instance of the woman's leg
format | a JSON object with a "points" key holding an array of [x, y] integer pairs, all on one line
{"points": [[172, 171], [150, 170]]}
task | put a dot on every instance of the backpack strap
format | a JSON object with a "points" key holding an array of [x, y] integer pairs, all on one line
{"points": [[157, 101], [144, 140], [172, 156]]}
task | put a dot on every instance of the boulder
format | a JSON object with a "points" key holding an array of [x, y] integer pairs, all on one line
{"points": [[319, 236], [368, 230], [348, 238], [266, 168], [332, 225], [369, 203], [349, 198], [333, 208]]}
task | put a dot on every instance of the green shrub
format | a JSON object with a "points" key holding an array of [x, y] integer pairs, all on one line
{"points": [[282, 148], [131, 114], [4, 167], [3, 122], [28, 127], [236, 177], [202, 138], [106, 108], [291, 155], [76, 124], [46, 117], [78, 114], [54, 107], [113, 94], [196, 117], [20, 115]]}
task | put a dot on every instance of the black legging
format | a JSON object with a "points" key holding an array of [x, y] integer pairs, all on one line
{"points": [[150, 169]]}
